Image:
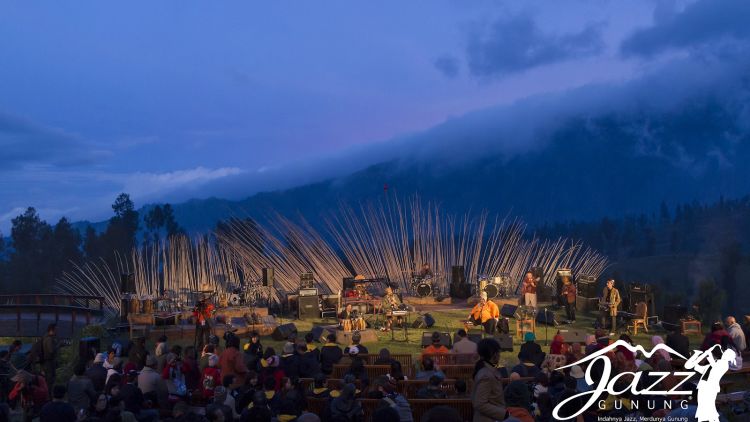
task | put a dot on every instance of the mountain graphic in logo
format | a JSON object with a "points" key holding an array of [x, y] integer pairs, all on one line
{"points": [[710, 366]]}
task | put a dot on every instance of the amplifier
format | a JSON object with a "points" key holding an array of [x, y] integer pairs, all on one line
{"points": [[308, 307], [586, 289], [308, 292]]}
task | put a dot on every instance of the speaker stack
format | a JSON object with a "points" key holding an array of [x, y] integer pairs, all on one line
{"points": [[587, 298], [459, 288]]}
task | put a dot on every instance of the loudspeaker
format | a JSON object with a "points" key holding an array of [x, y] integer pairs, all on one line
{"points": [[508, 310], [268, 277], [282, 332], [308, 307], [544, 293], [502, 326], [418, 322], [320, 333], [573, 336], [550, 318], [124, 304], [458, 276], [586, 288], [429, 320], [505, 341], [474, 337], [127, 283], [674, 313], [88, 347], [345, 337], [460, 291], [445, 339]]}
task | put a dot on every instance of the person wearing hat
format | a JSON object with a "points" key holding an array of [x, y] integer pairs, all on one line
{"points": [[97, 373], [392, 398], [531, 351], [609, 302], [390, 303], [330, 354], [577, 373], [211, 377], [485, 313], [290, 361], [150, 382], [436, 347], [356, 339]]}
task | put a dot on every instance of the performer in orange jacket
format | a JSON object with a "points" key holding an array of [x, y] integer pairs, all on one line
{"points": [[485, 313]]}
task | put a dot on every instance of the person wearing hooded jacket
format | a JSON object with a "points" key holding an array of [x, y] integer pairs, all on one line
{"points": [[346, 406]]}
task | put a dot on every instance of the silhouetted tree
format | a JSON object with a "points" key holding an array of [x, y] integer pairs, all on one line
{"points": [[29, 266], [120, 235], [729, 260], [710, 299], [66, 247]]}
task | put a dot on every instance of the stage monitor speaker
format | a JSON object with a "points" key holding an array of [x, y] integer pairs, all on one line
{"points": [[474, 337], [127, 283], [458, 276], [508, 310], [505, 341], [88, 347], [586, 304], [124, 304], [308, 307], [345, 337], [321, 333], [445, 339], [429, 320], [549, 319], [423, 321], [574, 336], [268, 277], [282, 332], [674, 313], [587, 289]]}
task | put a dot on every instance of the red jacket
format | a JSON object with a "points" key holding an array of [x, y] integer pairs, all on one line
{"points": [[232, 362], [210, 380]]}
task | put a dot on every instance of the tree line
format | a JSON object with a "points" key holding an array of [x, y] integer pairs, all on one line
{"points": [[37, 252]]}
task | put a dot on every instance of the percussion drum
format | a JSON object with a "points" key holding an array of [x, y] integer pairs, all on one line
{"points": [[235, 299], [358, 324], [223, 300], [424, 289], [346, 325], [491, 290], [148, 306], [135, 305]]}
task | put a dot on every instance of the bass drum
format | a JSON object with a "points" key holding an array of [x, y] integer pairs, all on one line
{"points": [[424, 289], [491, 290], [235, 299]]}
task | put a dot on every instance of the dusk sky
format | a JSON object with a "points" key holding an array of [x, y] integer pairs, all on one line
{"points": [[175, 100]]}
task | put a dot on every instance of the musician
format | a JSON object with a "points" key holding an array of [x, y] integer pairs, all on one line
{"points": [[485, 313], [529, 289], [609, 302], [426, 271], [569, 298], [350, 319], [390, 303], [202, 313]]}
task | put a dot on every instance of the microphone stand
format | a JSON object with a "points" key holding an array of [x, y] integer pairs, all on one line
{"points": [[546, 324]]}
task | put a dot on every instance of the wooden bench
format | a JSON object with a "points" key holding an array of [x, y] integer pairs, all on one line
{"points": [[458, 371], [453, 358], [409, 388], [373, 371], [404, 358]]}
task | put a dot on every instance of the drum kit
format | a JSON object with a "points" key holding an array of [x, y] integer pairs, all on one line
{"points": [[494, 286], [424, 286], [239, 295]]}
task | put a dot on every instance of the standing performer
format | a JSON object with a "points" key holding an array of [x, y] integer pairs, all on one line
{"points": [[390, 303], [485, 313], [609, 302], [202, 313], [529, 289], [569, 298]]}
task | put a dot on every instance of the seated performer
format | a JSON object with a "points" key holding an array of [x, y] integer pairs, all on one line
{"points": [[390, 303], [345, 318], [485, 313], [426, 271]]}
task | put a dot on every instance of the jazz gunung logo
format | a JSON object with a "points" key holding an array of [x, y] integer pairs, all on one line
{"points": [[708, 367]]}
